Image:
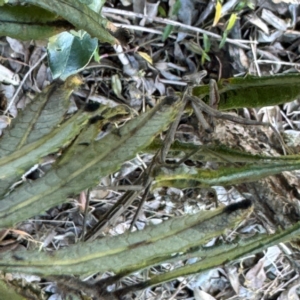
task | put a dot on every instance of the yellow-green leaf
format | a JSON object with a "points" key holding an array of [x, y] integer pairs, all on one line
{"points": [[218, 13], [146, 57], [231, 22], [116, 85]]}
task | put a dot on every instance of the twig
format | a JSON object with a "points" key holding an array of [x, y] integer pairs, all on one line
{"points": [[254, 52], [22, 82], [140, 28], [240, 43], [284, 63]]}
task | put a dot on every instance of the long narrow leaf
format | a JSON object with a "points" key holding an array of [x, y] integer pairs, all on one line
{"points": [[254, 91], [80, 15], [82, 166], [184, 177], [132, 250], [39, 118]]}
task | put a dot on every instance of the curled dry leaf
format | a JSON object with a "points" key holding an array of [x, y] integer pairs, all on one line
{"points": [[256, 276], [145, 56], [201, 295], [255, 20], [270, 114], [7, 76], [233, 277], [16, 46], [151, 10], [265, 38], [291, 292], [274, 21]]}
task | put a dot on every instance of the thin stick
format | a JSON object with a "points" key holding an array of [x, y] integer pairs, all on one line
{"points": [[240, 43], [22, 82], [137, 213], [284, 63]]}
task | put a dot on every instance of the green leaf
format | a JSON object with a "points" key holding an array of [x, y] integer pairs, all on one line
{"points": [[162, 13], [206, 43], [2, 2], [231, 22], [97, 159], [29, 22], [223, 41], [229, 26], [69, 54], [39, 118], [245, 3], [218, 12], [80, 16], [26, 14], [96, 5], [193, 46], [129, 251], [96, 55], [212, 257], [253, 91], [204, 57], [8, 291], [38, 131], [86, 2], [187, 177], [167, 31], [176, 8], [116, 85]]}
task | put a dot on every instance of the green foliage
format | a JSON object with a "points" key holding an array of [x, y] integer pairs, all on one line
{"points": [[206, 43], [229, 26], [174, 12], [26, 24], [196, 48], [167, 31], [253, 91], [69, 53], [132, 251], [141, 249], [189, 177], [9, 292], [96, 5], [244, 4], [46, 131], [97, 159], [161, 11]]}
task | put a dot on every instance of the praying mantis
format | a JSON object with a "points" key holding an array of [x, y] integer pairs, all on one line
{"points": [[199, 108]]}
